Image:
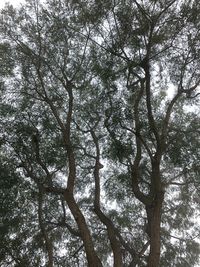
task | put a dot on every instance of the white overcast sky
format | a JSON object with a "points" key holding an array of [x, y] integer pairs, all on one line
{"points": [[13, 2]]}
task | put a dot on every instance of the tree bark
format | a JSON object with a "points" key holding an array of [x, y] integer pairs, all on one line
{"points": [[153, 229], [92, 258], [47, 240], [114, 242]]}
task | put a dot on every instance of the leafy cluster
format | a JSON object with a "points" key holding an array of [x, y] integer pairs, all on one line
{"points": [[98, 160]]}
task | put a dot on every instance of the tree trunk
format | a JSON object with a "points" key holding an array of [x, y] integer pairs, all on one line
{"points": [[115, 244], [47, 240], [153, 229], [92, 258]]}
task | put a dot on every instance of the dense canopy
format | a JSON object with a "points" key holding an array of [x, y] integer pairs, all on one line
{"points": [[99, 133]]}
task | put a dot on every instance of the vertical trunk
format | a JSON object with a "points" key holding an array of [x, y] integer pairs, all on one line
{"points": [[153, 229], [91, 255], [115, 244], [48, 243], [92, 258]]}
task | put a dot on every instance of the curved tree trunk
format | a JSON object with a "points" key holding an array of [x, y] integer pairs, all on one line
{"points": [[92, 257], [114, 242]]}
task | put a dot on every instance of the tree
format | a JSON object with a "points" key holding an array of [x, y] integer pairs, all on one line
{"points": [[105, 159]]}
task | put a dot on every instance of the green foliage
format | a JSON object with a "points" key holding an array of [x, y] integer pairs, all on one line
{"points": [[6, 60], [73, 82]]}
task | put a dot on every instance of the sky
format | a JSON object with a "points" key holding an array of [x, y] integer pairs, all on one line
{"points": [[17, 3], [13, 2]]}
